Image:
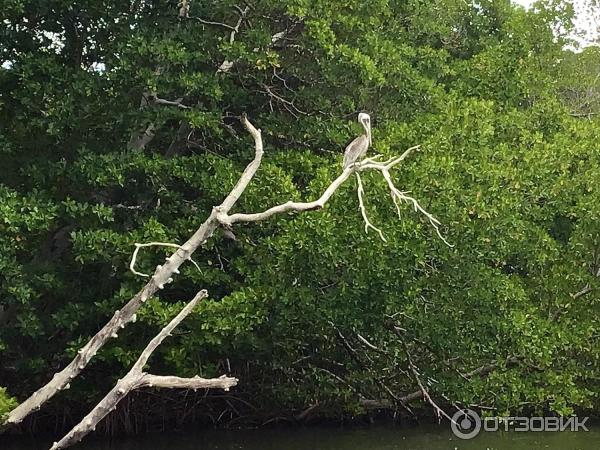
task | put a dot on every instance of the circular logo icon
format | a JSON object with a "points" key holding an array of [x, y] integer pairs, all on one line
{"points": [[465, 424]]}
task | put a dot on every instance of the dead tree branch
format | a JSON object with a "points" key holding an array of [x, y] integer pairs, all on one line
{"points": [[164, 273], [414, 370], [353, 354], [137, 378], [367, 164], [481, 371], [157, 244], [399, 196], [155, 100], [439, 412], [227, 65], [363, 211]]}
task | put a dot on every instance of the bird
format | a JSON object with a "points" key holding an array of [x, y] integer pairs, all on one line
{"points": [[357, 149]]}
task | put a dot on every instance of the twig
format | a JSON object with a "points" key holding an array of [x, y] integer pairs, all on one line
{"points": [[399, 196], [377, 381], [361, 204], [584, 291], [227, 65], [415, 372], [210, 22], [161, 101], [368, 344], [481, 371], [286, 103]]}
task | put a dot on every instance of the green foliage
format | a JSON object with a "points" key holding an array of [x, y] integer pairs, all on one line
{"points": [[486, 89], [6, 403]]}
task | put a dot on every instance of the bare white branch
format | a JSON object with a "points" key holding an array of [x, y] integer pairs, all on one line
{"points": [[227, 65], [439, 412], [137, 249], [289, 206], [371, 163], [398, 196], [171, 382], [166, 331], [210, 22], [184, 8], [161, 276], [360, 191], [136, 379], [366, 164], [161, 101], [151, 244]]}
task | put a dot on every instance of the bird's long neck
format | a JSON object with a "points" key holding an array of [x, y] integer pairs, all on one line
{"points": [[368, 131]]}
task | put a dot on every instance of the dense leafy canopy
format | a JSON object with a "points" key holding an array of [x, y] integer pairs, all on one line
{"points": [[486, 89]]}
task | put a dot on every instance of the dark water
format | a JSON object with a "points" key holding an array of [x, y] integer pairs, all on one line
{"points": [[372, 438]]}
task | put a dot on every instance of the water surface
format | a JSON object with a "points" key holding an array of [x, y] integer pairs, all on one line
{"points": [[330, 438]]}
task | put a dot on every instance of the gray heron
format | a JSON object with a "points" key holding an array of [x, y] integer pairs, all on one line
{"points": [[357, 149]]}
